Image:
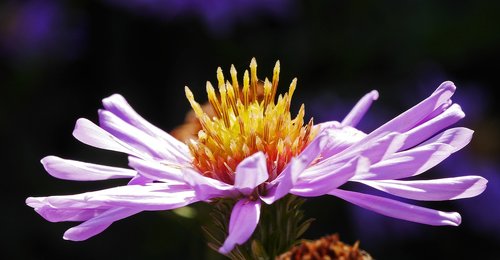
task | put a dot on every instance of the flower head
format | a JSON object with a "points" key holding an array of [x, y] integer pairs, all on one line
{"points": [[254, 151]]}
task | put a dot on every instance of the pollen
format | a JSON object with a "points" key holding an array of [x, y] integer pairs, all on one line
{"points": [[248, 118]]}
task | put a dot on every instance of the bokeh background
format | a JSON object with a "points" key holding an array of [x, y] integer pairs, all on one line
{"points": [[58, 59]]}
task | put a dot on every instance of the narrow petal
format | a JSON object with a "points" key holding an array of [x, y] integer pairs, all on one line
{"points": [[134, 136], [414, 115], [208, 188], [397, 209], [98, 224], [156, 171], [81, 171], [329, 180], [250, 173], [244, 219], [457, 138], [91, 134], [40, 205], [408, 163], [433, 190], [340, 138], [359, 110], [280, 186], [155, 196], [422, 132], [119, 106], [375, 150]]}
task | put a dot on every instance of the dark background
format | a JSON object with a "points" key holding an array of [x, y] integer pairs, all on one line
{"points": [[58, 59]]}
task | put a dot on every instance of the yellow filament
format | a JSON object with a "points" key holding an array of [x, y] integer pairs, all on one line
{"points": [[245, 123]]}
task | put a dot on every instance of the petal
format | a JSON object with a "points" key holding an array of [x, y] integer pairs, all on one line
{"points": [[375, 150], [81, 171], [408, 163], [155, 196], [57, 215], [250, 173], [133, 136], [156, 171], [434, 125], [280, 186], [98, 224], [397, 209], [244, 219], [433, 190], [341, 138], [457, 137], [414, 115], [359, 110], [330, 180], [119, 106], [91, 134], [208, 188]]}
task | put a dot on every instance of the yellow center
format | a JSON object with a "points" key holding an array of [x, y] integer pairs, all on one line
{"points": [[245, 123]]}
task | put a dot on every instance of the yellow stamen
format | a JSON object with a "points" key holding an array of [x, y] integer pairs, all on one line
{"points": [[245, 123]]}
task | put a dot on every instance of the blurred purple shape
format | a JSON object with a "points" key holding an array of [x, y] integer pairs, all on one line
{"points": [[219, 15], [35, 29]]}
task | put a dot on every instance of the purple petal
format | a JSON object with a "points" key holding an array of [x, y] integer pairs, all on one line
{"points": [[414, 115], [359, 110], [98, 224], [80, 171], [340, 138], [433, 190], [57, 215], [156, 171], [134, 136], [330, 180], [91, 134], [244, 219], [280, 186], [375, 150], [434, 125], [457, 138], [408, 163], [397, 209], [208, 188], [250, 173], [117, 105], [155, 196]]}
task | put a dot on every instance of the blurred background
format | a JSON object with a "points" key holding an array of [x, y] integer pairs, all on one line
{"points": [[58, 59]]}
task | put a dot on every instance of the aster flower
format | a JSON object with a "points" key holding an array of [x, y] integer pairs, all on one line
{"points": [[255, 153]]}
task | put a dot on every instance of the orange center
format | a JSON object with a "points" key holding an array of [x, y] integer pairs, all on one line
{"points": [[245, 123]]}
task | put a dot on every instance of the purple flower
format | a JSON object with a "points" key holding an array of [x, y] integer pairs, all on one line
{"points": [[255, 152]]}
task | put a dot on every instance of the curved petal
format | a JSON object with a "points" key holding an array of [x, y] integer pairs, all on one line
{"points": [[433, 190], [340, 138], [134, 136], [91, 134], [208, 188], [280, 186], [408, 163], [457, 137], [329, 180], [98, 224], [417, 113], [250, 173], [422, 132], [359, 110], [155, 196], [81, 171], [57, 214], [156, 171], [244, 219], [119, 106], [397, 209]]}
